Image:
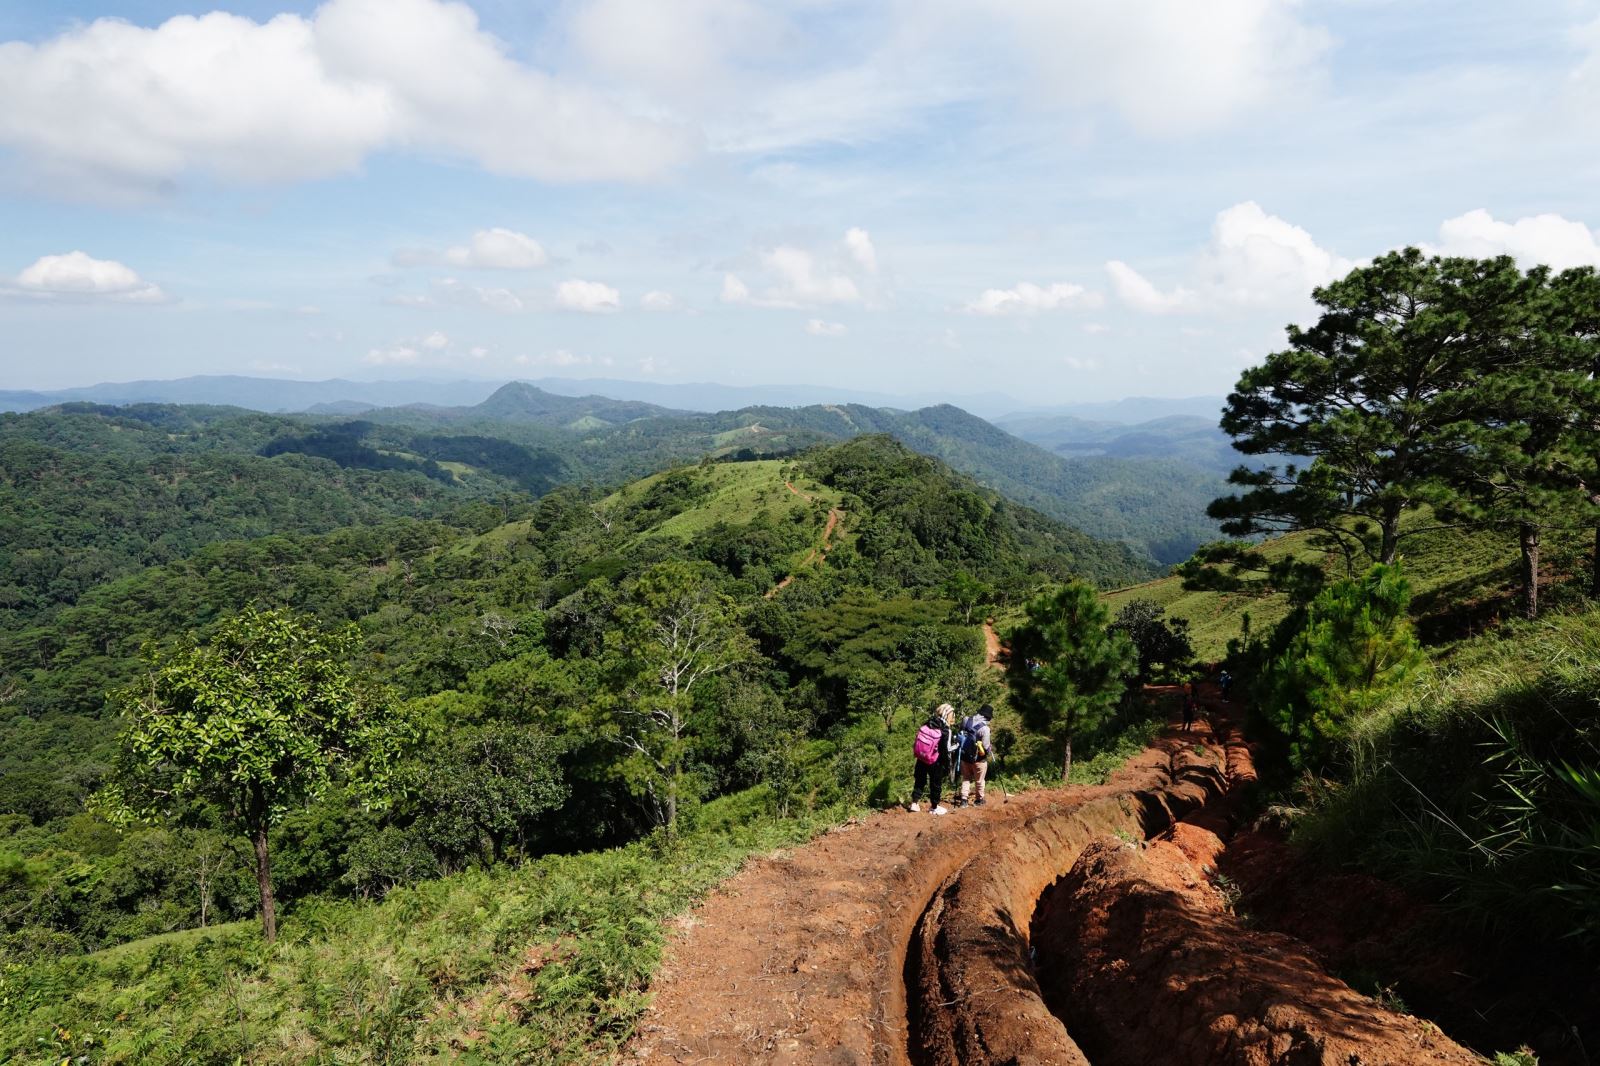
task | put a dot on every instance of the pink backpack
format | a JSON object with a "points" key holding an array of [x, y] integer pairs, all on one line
{"points": [[927, 745]]}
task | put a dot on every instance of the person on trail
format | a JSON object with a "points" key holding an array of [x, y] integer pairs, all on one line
{"points": [[932, 747], [1224, 682], [1190, 706], [977, 745]]}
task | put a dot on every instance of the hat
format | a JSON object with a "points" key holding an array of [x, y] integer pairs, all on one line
{"points": [[986, 712]]}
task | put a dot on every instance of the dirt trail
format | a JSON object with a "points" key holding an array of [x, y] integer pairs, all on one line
{"points": [[991, 642], [884, 942], [819, 554], [801, 957]]}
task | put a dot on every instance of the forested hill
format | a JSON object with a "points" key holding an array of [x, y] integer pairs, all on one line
{"points": [[847, 566], [1156, 505]]}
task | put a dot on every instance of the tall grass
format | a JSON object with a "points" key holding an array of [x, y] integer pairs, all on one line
{"points": [[1483, 785]]}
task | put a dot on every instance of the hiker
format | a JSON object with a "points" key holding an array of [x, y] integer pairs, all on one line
{"points": [[1224, 682], [976, 747], [1190, 706], [932, 749]]}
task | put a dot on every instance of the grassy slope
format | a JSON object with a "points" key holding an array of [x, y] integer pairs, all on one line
{"points": [[1461, 580]]}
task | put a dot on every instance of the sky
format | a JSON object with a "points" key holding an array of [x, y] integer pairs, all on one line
{"points": [[1062, 200]]}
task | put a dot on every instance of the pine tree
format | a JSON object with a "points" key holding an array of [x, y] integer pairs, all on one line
{"points": [[1355, 647], [1066, 669]]}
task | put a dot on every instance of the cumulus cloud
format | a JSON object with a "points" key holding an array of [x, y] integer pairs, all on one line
{"points": [[436, 341], [1253, 259], [1549, 239], [559, 357], [589, 296], [1135, 290], [110, 103], [1026, 298], [1073, 362], [1096, 327], [798, 277], [656, 300], [818, 328], [861, 250], [77, 275], [498, 249]]}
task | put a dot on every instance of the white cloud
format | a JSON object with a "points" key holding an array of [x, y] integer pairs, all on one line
{"points": [[590, 296], [1096, 327], [1253, 259], [1073, 362], [1257, 258], [498, 249], [656, 300], [1135, 290], [860, 244], [112, 104], [1026, 298], [436, 341], [453, 292], [797, 277], [77, 275], [1166, 66], [818, 328], [1550, 239]]}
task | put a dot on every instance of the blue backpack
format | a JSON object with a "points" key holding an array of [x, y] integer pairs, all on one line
{"points": [[972, 749]]}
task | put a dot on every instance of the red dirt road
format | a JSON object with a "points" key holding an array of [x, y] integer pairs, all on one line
{"points": [[910, 939], [801, 957]]}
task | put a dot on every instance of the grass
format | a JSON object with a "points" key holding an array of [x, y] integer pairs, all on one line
{"points": [[546, 963]]}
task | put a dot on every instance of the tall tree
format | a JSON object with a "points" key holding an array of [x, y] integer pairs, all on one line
{"points": [[1066, 669], [1574, 310], [1356, 403], [260, 719], [676, 631]]}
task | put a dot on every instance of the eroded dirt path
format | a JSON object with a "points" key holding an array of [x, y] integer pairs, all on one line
{"points": [[801, 957], [914, 939]]}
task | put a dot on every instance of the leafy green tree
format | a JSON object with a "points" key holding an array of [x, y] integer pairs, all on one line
{"points": [[1356, 404], [483, 788], [1157, 639], [1066, 670], [675, 631], [257, 721], [1355, 648]]}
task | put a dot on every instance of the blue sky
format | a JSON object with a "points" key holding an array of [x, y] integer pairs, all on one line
{"points": [[1059, 199]]}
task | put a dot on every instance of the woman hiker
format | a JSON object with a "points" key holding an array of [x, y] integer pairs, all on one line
{"points": [[932, 749]]}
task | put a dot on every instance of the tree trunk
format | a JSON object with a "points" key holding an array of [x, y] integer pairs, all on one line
{"points": [[1528, 536], [1066, 760], [1390, 525], [269, 910], [1594, 569]]}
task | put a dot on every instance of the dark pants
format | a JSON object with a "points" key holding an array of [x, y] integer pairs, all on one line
{"points": [[930, 778]]}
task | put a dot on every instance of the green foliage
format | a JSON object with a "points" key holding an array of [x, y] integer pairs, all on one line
{"points": [[1353, 650], [1157, 640], [256, 721], [1066, 670]]}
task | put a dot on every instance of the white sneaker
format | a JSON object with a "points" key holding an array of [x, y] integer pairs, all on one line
{"points": [[915, 807], [940, 809]]}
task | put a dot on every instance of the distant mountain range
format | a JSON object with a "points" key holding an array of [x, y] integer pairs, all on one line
{"points": [[343, 397], [1145, 484]]}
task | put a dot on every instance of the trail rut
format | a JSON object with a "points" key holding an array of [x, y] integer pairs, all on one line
{"points": [[909, 939]]}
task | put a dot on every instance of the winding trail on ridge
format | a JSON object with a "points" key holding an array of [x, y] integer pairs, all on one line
{"points": [[906, 940], [819, 554]]}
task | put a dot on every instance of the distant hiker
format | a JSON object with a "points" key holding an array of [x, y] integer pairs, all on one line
{"points": [[976, 747], [932, 749], [1224, 682], [1190, 706]]}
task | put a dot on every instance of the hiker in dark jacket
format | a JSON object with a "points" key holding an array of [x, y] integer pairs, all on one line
{"points": [[976, 749], [933, 748]]}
